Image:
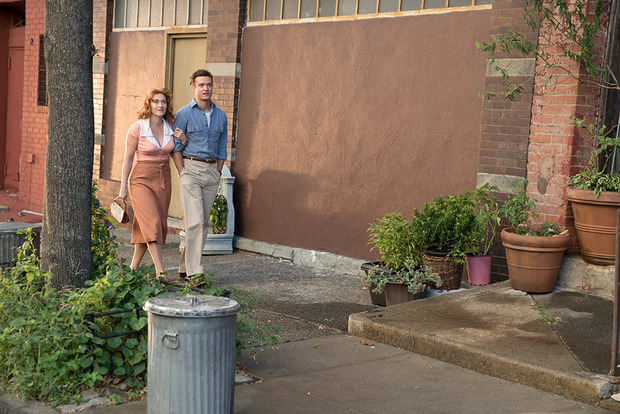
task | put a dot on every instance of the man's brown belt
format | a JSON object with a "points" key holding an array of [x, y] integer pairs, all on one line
{"points": [[199, 159]]}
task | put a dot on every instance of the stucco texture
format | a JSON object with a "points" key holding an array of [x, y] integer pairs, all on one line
{"points": [[136, 66], [342, 122]]}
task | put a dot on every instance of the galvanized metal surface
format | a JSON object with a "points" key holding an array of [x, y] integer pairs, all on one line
{"points": [[192, 306], [10, 240], [191, 368]]}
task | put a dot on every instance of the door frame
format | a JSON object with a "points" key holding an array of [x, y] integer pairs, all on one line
{"points": [[171, 36]]}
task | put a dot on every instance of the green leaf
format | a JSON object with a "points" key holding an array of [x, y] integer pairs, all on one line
{"points": [[139, 369], [114, 343], [86, 362]]}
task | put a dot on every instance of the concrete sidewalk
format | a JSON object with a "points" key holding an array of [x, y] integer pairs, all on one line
{"points": [[346, 374], [498, 331], [490, 330], [493, 330]]}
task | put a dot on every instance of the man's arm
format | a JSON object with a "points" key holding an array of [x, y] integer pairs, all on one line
{"points": [[177, 159], [222, 146]]}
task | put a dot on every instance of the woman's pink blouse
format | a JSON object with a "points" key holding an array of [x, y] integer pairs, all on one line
{"points": [[148, 148]]}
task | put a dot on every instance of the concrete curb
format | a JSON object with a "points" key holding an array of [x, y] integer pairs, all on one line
{"points": [[588, 388], [9, 404], [302, 257]]}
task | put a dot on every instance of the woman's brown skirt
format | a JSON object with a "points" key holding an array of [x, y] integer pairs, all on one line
{"points": [[149, 189]]}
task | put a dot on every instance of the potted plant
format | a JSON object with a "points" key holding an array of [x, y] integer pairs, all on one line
{"points": [[478, 261], [447, 229], [533, 254], [391, 235], [595, 199], [407, 284]]}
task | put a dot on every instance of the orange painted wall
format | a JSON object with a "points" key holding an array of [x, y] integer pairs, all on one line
{"points": [[136, 66], [342, 122]]}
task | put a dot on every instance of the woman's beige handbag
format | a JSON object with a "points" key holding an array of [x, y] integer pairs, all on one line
{"points": [[118, 211]]}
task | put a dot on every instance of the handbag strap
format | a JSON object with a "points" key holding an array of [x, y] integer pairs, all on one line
{"points": [[118, 202]]}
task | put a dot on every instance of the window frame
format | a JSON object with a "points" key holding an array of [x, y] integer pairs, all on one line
{"points": [[355, 16]]}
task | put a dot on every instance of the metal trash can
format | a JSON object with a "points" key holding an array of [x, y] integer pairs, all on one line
{"points": [[191, 354], [10, 241]]}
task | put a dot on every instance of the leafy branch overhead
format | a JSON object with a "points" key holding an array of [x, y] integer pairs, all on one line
{"points": [[566, 30]]}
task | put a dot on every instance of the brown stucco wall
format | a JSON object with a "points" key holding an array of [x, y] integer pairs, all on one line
{"points": [[342, 122], [136, 66]]}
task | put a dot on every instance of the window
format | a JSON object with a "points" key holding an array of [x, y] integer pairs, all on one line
{"points": [[274, 10], [42, 79], [159, 13]]}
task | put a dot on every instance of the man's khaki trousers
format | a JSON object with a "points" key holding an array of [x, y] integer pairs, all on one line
{"points": [[199, 182]]}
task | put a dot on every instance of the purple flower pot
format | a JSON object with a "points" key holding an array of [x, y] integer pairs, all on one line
{"points": [[479, 269]]}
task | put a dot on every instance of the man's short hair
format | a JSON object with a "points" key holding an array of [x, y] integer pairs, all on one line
{"points": [[200, 72]]}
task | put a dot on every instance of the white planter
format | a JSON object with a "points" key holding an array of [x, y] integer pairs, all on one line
{"points": [[221, 243]]}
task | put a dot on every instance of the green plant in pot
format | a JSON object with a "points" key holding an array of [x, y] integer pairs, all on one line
{"points": [[595, 198], [479, 260], [447, 228], [533, 253], [391, 235], [403, 285]]}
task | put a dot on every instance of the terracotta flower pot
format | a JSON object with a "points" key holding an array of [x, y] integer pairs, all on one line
{"points": [[533, 261], [479, 269], [595, 221]]}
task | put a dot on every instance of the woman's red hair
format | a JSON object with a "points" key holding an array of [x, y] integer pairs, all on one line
{"points": [[145, 112]]}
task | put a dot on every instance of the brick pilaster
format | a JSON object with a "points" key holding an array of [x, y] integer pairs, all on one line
{"points": [[505, 124], [225, 23], [558, 149]]}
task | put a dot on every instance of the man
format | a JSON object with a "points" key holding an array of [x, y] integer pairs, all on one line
{"points": [[201, 130]]}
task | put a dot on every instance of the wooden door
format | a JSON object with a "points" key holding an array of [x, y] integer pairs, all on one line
{"points": [[11, 168], [186, 52]]}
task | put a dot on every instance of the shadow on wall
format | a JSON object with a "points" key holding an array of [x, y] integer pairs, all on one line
{"points": [[277, 207]]}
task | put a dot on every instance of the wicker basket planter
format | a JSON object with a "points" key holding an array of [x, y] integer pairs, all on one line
{"points": [[451, 273]]}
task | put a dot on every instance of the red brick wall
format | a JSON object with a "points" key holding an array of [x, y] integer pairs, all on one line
{"points": [[558, 149], [505, 130], [505, 124], [102, 26], [34, 127]]}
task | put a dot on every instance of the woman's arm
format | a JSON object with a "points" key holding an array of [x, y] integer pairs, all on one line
{"points": [[131, 144]]}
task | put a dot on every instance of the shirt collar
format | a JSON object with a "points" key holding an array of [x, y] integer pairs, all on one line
{"points": [[194, 103], [146, 131]]}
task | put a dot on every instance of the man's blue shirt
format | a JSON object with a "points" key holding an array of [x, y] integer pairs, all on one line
{"points": [[203, 141]]}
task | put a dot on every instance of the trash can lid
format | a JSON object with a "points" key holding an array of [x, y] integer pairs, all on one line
{"points": [[192, 306], [14, 226]]}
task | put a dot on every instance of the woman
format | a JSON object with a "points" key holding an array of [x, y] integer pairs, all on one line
{"points": [[150, 141]]}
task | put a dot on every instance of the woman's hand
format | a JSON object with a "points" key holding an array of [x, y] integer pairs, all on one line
{"points": [[123, 194], [180, 135]]}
